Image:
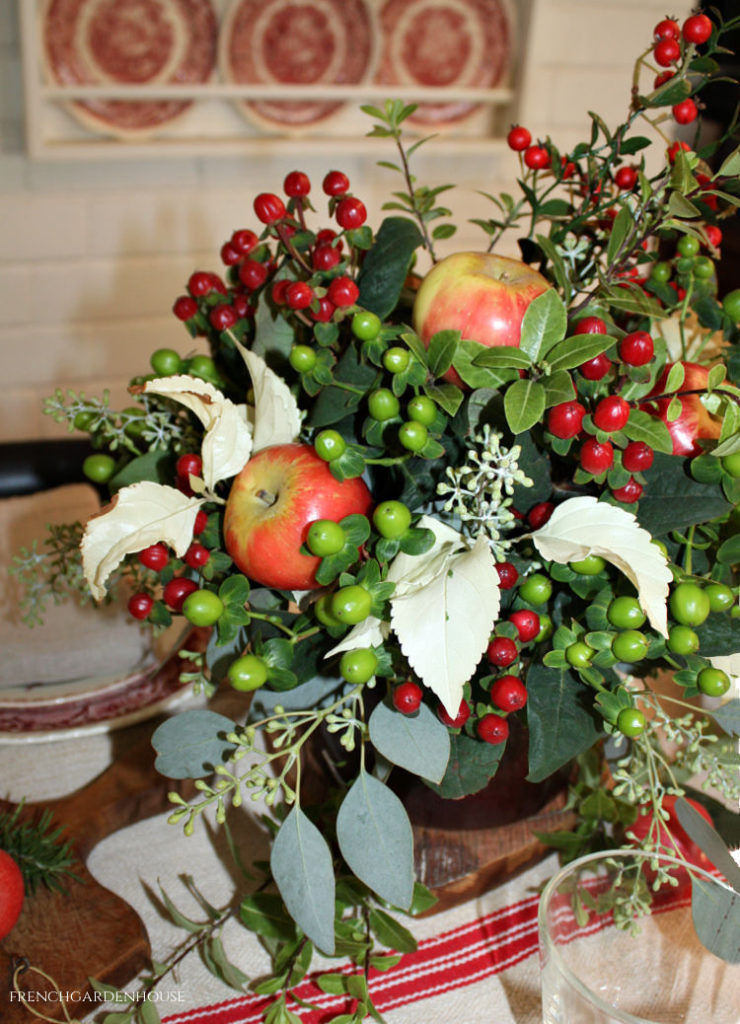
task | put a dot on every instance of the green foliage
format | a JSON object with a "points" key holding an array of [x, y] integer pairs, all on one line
{"points": [[41, 850]]}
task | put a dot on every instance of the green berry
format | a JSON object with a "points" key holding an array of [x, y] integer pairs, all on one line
{"points": [[422, 409], [703, 267], [391, 519], [630, 646], [329, 445], [579, 654], [591, 565], [682, 640], [323, 612], [325, 537], [203, 608], [358, 666], [383, 405], [713, 682], [661, 273], [165, 362], [536, 589], [99, 467], [302, 358], [625, 613], [731, 305], [413, 436], [351, 604], [396, 359], [720, 597], [688, 245], [731, 464], [631, 722], [247, 673], [689, 604], [366, 325]]}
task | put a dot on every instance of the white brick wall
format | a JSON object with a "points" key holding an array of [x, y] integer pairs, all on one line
{"points": [[92, 254]]}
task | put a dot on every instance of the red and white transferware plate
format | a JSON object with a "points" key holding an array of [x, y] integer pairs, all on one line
{"points": [[296, 43], [444, 44], [129, 42]]}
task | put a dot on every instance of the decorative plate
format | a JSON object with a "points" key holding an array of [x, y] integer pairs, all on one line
{"points": [[444, 43], [296, 42], [129, 42]]}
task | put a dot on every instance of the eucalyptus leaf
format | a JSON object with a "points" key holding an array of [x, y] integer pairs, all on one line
{"points": [[715, 911], [190, 744], [419, 743], [302, 867]]}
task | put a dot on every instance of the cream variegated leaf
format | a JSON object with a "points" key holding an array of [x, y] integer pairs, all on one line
{"points": [[443, 625], [584, 526], [370, 633], [277, 418], [139, 516], [227, 443], [409, 572]]}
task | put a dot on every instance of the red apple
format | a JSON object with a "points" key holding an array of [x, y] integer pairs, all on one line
{"points": [[481, 295], [273, 501], [695, 420]]}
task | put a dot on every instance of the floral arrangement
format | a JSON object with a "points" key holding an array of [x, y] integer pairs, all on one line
{"points": [[413, 507]]}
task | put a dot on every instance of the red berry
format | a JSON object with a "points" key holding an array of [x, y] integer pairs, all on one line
{"points": [[629, 493], [201, 521], [590, 325], [296, 184], [637, 456], [714, 235], [335, 184], [154, 557], [502, 651], [527, 624], [350, 213], [596, 368], [139, 605], [229, 254], [492, 728], [175, 592], [325, 310], [626, 178], [407, 697], [667, 29], [569, 168], [675, 147], [685, 112], [596, 457], [518, 138], [252, 274], [509, 693], [200, 283], [697, 29], [636, 349], [278, 290], [667, 52], [196, 555], [343, 292], [222, 317], [299, 295], [244, 240], [565, 420], [188, 465], [507, 575], [662, 78], [539, 514], [13, 893], [185, 307], [324, 257], [536, 158], [611, 413], [463, 714], [269, 208], [326, 236]]}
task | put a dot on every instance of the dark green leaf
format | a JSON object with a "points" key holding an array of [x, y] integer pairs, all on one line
{"points": [[562, 723], [301, 865], [544, 324], [190, 744], [524, 404], [390, 933], [621, 228], [641, 426], [470, 766], [503, 356], [441, 351], [419, 743], [478, 376], [673, 500], [274, 336], [634, 145], [385, 266], [447, 396], [416, 541], [718, 635], [577, 349], [559, 388], [264, 914]]}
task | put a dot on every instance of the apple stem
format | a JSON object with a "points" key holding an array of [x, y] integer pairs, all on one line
{"points": [[268, 497]]}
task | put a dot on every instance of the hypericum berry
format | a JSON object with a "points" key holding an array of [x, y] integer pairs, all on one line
{"points": [[269, 208], [536, 158], [625, 612], [325, 537], [720, 597], [590, 325], [422, 409], [197, 555], [278, 290], [252, 274], [682, 640], [667, 29], [685, 112], [343, 292], [527, 624], [302, 358], [626, 178], [637, 457], [242, 306], [539, 514], [175, 592], [392, 519], [629, 493], [189, 465], [244, 240], [396, 359], [296, 184], [203, 608], [324, 310], [229, 255], [407, 697], [492, 728], [713, 682], [536, 589], [697, 29], [140, 605], [714, 235], [662, 78], [247, 673], [184, 308], [509, 693], [329, 445], [674, 148], [579, 654], [335, 183], [518, 138], [156, 557], [611, 413], [366, 325], [636, 349], [201, 521], [382, 404], [299, 295], [596, 368], [200, 283], [459, 720], [502, 651], [689, 604], [164, 361], [667, 52], [631, 722], [596, 457], [507, 575], [324, 257], [358, 666], [564, 420], [222, 317], [350, 213]]}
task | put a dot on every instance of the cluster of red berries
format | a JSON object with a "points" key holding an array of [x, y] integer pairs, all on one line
{"points": [[668, 51]]}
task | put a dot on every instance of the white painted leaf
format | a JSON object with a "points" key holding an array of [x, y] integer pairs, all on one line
{"points": [[409, 572], [140, 515], [584, 526], [369, 633], [277, 418], [227, 443], [443, 625]]}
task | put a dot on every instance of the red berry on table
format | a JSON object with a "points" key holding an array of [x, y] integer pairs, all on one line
{"points": [[518, 138], [536, 158], [175, 592], [626, 178], [502, 651], [343, 292], [188, 465], [156, 557], [697, 29], [636, 349], [564, 420], [269, 208], [335, 184], [296, 184], [252, 274], [324, 257], [459, 720], [492, 728], [667, 29], [509, 693], [407, 697], [222, 317], [637, 457], [685, 112], [527, 624], [185, 307], [596, 457], [662, 78], [229, 254], [629, 493], [590, 325], [139, 605], [200, 283], [350, 213], [201, 521], [325, 310], [611, 413], [539, 514], [12, 893], [299, 295], [667, 52], [244, 240], [507, 575], [197, 555], [714, 235]]}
